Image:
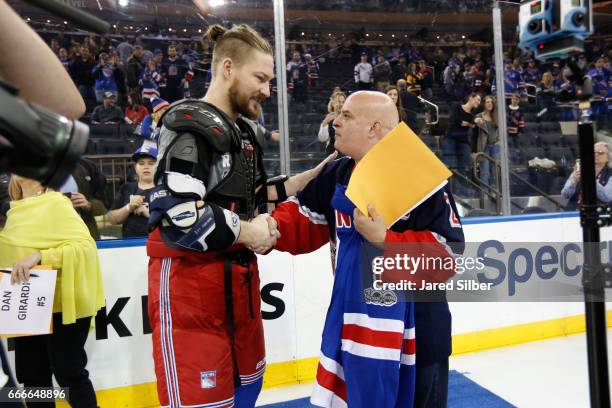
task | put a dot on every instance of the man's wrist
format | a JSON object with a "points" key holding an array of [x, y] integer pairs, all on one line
{"points": [[246, 233]]}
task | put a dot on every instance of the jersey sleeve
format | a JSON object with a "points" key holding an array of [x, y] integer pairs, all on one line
{"points": [[438, 234], [302, 220]]}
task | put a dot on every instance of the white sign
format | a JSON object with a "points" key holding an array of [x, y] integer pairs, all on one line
{"points": [[26, 308]]}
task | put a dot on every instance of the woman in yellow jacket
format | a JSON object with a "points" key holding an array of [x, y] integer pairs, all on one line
{"points": [[43, 228]]}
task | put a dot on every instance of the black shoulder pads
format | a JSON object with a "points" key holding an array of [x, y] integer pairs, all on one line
{"points": [[203, 120]]}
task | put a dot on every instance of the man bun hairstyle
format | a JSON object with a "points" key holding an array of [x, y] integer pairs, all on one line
{"points": [[235, 43], [214, 32]]}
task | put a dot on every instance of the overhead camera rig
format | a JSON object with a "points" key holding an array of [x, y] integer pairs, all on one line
{"points": [[555, 28]]}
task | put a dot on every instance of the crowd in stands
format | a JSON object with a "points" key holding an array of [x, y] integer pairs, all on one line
{"points": [[122, 80]]}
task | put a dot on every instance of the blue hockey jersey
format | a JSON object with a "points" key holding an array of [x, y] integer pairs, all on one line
{"points": [[368, 347]]}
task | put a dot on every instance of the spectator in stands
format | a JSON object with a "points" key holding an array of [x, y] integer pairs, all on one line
{"points": [[135, 112], [104, 75], [62, 40], [125, 50], [42, 228], [477, 79], [456, 144], [600, 77], [55, 46], [297, 72], [413, 79], [363, 73], [81, 71], [64, 58], [515, 121], [148, 127], [440, 60], [119, 77], [174, 70], [531, 74], [85, 187], [134, 69], [151, 80], [410, 103], [512, 79], [103, 45], [451, 73], [313, 68], [546, 97], [487, 140], [108, 112], [146, 56], [400, 70], [572, 190], [130, 208], [426, 80], [158, 56], [393, 93], [382, 73], [327, 133]]}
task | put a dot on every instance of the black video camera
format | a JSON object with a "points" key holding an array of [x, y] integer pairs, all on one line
{"points": [[34, 141], [37, 143]]}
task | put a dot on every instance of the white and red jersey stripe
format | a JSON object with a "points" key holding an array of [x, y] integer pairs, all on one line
{"points": [[330, 387], [372, 337], [408, 356]]}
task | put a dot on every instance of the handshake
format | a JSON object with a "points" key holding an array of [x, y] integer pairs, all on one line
{"points": [[260, 234]]}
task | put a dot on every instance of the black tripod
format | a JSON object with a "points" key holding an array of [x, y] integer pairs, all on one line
{"points": [[595, 275]]}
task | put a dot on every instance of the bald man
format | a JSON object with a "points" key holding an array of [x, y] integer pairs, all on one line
{"points": [[368, 346]]}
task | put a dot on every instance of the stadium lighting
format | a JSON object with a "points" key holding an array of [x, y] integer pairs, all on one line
{"points": [[124, 3], [217, 3]]}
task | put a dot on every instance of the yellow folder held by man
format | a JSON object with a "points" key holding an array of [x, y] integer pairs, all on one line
{"points": [[396, 175]]}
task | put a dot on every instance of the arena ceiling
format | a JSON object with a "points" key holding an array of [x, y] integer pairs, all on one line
{"points": [[157, 16]]}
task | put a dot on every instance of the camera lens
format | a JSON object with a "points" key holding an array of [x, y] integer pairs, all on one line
{"points": [[534, 26], [578, 19]]}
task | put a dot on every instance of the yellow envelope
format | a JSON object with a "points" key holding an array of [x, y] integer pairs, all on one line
{"points": [[396, 175]]}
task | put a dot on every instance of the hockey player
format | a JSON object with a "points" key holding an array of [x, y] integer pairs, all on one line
{"points": [[204, 300], [368, 348]]}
